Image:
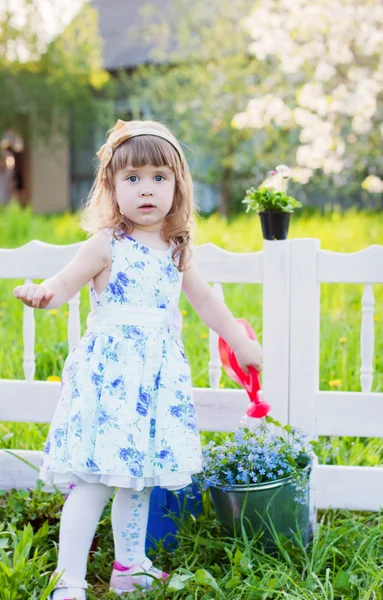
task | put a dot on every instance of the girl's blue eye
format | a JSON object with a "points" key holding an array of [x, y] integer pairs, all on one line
{"points": [[157, 178]]}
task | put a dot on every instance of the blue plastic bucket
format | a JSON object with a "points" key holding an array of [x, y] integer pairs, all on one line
{"points": [[167, 510]]}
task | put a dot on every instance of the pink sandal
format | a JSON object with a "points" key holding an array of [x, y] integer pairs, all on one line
{"points": [[72, 584], [124, 579]]}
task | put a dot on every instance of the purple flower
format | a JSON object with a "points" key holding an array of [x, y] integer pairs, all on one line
{"points": [[139, 265], [136, 469], [132, 332], [164, 453], [96, 379], [122, 278], [91, 344], [176, 411], [91, 465], [117, 382], [143, 402], [103, 417], [126, 453], [157, 380]]}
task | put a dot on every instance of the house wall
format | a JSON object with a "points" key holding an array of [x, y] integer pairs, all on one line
{"points": [[49, 172]]}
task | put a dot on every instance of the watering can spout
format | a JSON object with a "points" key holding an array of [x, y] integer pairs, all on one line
{"points": [[250, 422]]}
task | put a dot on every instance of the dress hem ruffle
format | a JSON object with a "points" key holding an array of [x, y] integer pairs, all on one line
{"points": [[169, 481]]}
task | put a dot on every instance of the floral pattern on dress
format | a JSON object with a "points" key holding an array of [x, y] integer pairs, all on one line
{"points": [[125, 415]]}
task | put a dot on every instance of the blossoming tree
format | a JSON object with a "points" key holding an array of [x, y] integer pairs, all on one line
{"points": [[325, 82]]}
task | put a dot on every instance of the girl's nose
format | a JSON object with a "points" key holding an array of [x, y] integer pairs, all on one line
{"points": [[146, 192]]}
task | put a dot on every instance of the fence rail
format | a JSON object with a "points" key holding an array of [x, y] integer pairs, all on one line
{"points": [[291, 273]]}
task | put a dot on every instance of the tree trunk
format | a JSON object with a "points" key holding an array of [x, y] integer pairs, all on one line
{"points": [[224, 198]]}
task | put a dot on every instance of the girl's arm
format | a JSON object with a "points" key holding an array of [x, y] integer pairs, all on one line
{"points": [[214, 312], [92, 258]]}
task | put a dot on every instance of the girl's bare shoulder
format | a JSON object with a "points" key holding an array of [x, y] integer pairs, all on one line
{"points": [[99, 245]]}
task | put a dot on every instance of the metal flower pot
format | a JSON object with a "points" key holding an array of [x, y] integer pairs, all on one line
{"points": [[263, 508]]}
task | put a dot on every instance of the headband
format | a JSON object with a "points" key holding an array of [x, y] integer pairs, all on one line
{"points": [[123, 131]]}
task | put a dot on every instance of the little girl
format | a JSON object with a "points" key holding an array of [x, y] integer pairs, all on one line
{"points": [[125, 418]]}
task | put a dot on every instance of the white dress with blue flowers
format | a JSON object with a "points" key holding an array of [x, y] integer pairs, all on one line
{"points": [[125, 416]]}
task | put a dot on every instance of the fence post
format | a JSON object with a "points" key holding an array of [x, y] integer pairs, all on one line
{"points": [[304, 341], [275, 340]]}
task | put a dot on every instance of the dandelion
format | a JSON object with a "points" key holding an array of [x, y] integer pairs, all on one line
{"points": [[204, 335], [67, 313], [335, 383], [221, 385], [4, 304], [184, 313], [342, 340], [53, 378], [376, 318], [53, 311]]}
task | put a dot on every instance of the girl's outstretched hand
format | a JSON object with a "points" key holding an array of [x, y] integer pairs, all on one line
{"points": [[33, 295], [249, 354]]}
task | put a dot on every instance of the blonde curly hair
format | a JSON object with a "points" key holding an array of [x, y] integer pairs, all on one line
{"points": [[101, 209]]}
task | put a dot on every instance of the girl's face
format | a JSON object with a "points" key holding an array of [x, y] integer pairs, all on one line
{"points": [[145, 195]]}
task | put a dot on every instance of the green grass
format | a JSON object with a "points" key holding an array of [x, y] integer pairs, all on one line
{"points": [[345, 558]]}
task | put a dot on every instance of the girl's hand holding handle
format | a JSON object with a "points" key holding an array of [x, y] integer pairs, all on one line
{"points": [[249, 354], [33, 295]]}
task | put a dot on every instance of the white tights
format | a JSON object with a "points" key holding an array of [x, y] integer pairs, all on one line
{"points": [[80, 516]]}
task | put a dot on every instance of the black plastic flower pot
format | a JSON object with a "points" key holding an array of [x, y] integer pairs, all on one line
{"points": [[275, 225]]}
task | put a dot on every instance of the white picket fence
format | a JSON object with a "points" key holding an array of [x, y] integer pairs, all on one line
{"points": [[291, 273]]}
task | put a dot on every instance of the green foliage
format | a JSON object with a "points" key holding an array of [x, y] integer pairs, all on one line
{"points": [[24, 564], [345, 558], [48, 81], [269, 200], [344, 561], [34, 507]]}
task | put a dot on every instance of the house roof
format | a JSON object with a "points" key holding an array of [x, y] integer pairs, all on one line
{"points": [[119, 23], [122, 26]]}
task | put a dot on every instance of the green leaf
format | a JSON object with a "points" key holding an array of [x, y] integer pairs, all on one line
{"points": [[203, 577], [229, 553], [24, 460], [342, 581], [237, 557], [233, 582], [177, 582], [272, 583]]}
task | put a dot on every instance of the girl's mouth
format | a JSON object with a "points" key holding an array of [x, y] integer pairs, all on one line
{"points": [[146, 207]]}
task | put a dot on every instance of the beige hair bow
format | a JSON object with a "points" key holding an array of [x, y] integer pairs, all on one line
{"points": [[123, 131]]}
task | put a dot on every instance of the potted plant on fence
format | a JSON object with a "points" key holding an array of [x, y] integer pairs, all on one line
{"points": [[273, 204], [262, 478]]}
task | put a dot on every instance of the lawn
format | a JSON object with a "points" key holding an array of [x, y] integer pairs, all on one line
{"points": [[345, 558]]}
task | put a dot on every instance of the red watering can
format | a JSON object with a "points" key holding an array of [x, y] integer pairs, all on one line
{"points": [[250, 381]]}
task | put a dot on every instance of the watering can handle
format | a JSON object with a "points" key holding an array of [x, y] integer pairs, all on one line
{"points": [[249, 380]]}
